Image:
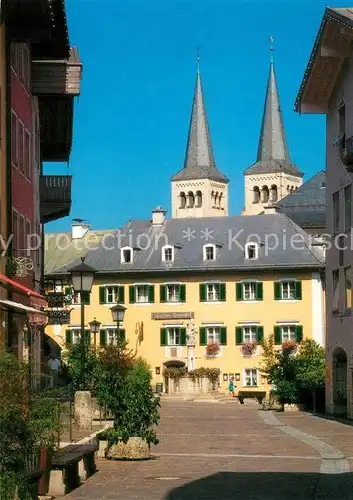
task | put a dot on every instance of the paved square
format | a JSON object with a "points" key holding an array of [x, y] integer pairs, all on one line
{"points": [[215, 451]]}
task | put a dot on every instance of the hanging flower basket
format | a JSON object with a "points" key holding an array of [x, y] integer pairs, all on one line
{"points": [[248, 348], [212, 349], [289, 346]]}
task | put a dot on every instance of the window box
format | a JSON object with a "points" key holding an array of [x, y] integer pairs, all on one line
{"points": [[289, 346], [111, 294], [141, 294], [288, 290], [212, 292], [249, 291], [212, 349], [172, 293], [248, 349]]}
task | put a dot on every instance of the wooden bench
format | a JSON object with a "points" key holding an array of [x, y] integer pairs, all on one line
{"points": [[259, 395], [71, 466]]}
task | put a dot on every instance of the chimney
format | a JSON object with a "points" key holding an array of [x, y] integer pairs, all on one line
{"points": [[158, 216], [270, 209], [79, 228]]}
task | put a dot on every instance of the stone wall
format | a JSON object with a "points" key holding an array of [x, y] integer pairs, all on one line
{"points": [[187, 386]]}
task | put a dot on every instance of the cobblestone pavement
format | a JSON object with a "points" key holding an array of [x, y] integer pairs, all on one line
{"points": [[213, 451]]}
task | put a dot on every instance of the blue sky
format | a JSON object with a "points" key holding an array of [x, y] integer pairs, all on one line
{"points": [[131, 120]]}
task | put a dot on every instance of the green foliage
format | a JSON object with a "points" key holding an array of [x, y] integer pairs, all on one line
{"points": [[212, 374], [268, 354], [310, 363], [81, 366], [175, 372]]}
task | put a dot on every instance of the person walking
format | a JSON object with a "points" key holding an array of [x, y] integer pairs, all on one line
{"points": [[232, 387], [54, 365]]}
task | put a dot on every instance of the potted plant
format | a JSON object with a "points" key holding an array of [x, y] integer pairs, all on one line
{"points": [[212, 349], [248, 348], [289, 346]]}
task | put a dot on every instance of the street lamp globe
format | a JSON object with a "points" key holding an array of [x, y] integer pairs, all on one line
{"points": [[94, 326], [82, 277], [118, 313]]}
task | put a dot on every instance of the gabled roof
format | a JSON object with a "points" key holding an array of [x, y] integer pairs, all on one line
{"points": [[273, 154], [189, 236], [199, 158], [307, 205]]}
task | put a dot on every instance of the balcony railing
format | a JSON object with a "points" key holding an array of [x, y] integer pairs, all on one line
{"points": [[55, 196]]}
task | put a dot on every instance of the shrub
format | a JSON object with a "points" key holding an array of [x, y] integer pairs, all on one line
{"points": [[81, 369]]}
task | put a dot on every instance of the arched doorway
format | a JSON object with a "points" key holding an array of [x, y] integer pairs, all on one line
{"points": [[339, 380], [169, 383]]}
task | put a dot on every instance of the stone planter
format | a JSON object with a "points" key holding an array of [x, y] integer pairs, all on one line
{"points": [[103, 446], [135, 449], [292, 407]]}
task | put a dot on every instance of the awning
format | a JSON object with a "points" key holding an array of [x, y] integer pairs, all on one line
{"points": [[35, 298], [21, 308]]}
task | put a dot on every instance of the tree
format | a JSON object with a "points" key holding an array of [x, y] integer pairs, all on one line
{"points": [[283, 375], [310, 367], [269, 359], [81, 371]]}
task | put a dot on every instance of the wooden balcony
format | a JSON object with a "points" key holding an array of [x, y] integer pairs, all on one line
{"points": [[56, 118], [57, 76], [55, 197]]}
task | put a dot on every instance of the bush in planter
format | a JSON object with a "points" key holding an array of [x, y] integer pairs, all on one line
{"points": [[212, 349], [81, 373]]}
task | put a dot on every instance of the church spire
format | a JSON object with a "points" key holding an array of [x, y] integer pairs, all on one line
{"points": [[273, 142], [199, 160]]}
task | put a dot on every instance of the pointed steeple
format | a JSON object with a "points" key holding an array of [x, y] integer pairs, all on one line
{"points": [[199, 158], [273, 142]]}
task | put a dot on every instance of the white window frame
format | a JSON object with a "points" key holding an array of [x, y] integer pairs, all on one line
{"points": [[176, 287], [215, 298], [290, 334], [76, 334], [288, 282], [213, 334], [252, 290], [111, 330], [250, 376], [122, 256], [173, 332], [164, 249], [205, 248], [251, 333], [145, 285], [251, 244]]}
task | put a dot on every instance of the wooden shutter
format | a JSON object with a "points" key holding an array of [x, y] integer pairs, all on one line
{"points": [[238, 335], [223, 336], [203, 337], [260, 334], [122, 334], [277, 335], [164, 337], [151, 294], [182, 293], [85, 298], [259, 291], [68, 335], [298, 290], [102, 294], [182, 336], [102, 337], [277, 290], [239, 291], [132, 294], [121, 294], [299, 333], [202, 292], [162, 293], [222, 292]]}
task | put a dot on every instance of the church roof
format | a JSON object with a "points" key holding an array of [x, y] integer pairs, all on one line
{"points": [[199, 158], [307, 205], [273, 154], [188, 236]]}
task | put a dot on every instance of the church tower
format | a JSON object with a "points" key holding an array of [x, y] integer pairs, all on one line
{"points": [[199, 189], [273, 176]]}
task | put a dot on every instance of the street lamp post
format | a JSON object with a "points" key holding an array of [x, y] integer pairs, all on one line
{"points": [[118, 313], [94, 328], [82, 277]]}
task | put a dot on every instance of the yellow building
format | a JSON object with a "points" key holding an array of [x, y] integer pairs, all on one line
{"points": [[224, 282]]}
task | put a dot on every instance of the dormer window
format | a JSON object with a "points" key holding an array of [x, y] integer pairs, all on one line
{"points": [[251, 251], [126, 255], [167, 253], [209, 252]]}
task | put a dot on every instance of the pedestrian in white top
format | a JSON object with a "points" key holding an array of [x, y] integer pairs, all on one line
{"points": [[54, 365]]}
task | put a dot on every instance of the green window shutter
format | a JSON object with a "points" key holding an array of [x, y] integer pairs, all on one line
{"points": [[222, 292], [102, 337], [277, 290], [122, 334], [260, 334], [87, 337], [151, 294], [299, 333], [182, 336], [298, 290], [203, 339], [202, 293], [277, 335], [238, 335], [182, 293], [121, 294], [68, 291], [85, 298], [102, 294], [239, 291], [132, 294], [259, 291], [223, 336], [162, 293], [164, 337], [68, 334]]}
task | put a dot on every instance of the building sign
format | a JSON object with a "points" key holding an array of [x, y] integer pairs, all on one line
{"points": [[58, 299], [59, 317], [172, 315]]}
